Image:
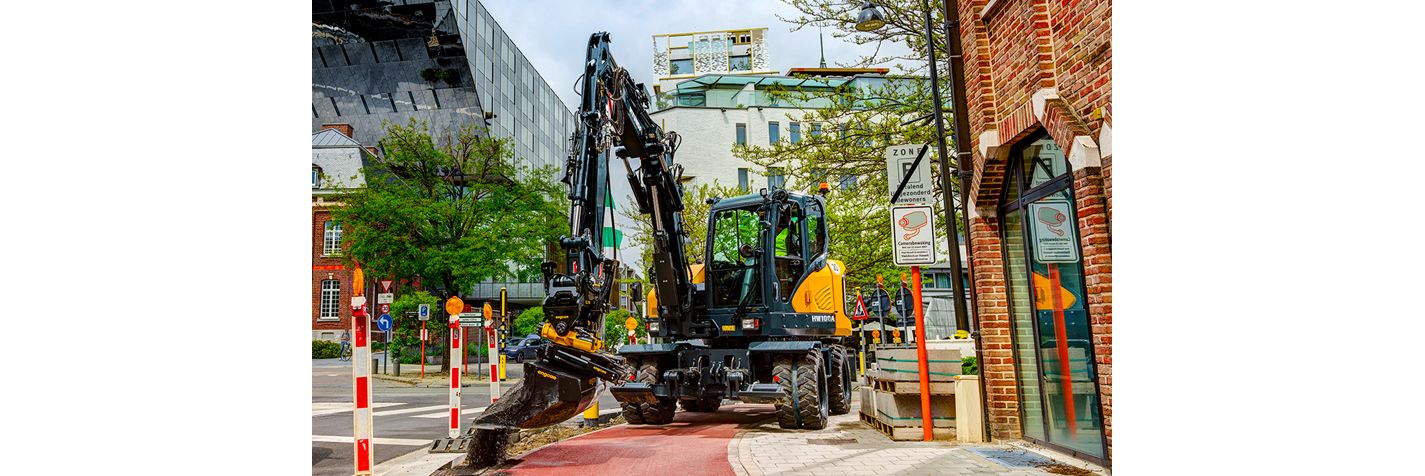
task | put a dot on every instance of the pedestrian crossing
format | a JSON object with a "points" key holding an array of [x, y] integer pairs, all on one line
{"points": [[431, 411]]}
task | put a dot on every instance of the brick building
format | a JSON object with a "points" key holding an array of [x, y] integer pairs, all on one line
{"points": [[1038, 76], [336, 167]]}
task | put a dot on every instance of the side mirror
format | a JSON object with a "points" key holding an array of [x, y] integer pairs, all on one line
{"points": [[747, 251]]}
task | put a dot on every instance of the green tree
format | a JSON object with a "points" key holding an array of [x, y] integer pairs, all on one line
{"points": [[855, 126], [528, 322], [695, 223], [614, 330], [450, 211]]}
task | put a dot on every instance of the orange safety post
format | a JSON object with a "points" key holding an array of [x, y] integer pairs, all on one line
{"points": [[920, 354]]}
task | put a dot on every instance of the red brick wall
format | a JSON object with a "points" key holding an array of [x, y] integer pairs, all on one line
{"points": [[1012, 51], [1097, 255], [1082, 45], [319, 218]]}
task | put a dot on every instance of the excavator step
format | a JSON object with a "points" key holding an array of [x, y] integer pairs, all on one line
{"points": [[459, 444], [634, 392]]}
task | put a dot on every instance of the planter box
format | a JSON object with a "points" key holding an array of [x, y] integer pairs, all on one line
{"points": [[902, 364]]}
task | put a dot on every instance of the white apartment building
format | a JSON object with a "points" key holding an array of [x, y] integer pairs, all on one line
{"points": [[715, 111]]}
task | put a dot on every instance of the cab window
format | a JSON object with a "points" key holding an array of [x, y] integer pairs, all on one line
{"points": [[733, 275], [789, 258]]}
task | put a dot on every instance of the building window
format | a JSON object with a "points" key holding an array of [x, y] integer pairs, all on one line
{"points": [[742, 178], [316, 176], [742, 134], [796, 132], [774, 133], [1049, 322], [331, 300], [331, 239], [816, 129], [680, 66], [739, 63], [776, 177]]}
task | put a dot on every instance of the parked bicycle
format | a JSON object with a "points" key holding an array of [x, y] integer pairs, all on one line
{"points": [[345, 353]]}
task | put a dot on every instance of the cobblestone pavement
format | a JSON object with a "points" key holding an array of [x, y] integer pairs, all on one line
{"points": [[847, 447]]}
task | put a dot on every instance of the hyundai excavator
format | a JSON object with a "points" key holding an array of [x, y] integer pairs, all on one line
{"points": [[760, 319]]}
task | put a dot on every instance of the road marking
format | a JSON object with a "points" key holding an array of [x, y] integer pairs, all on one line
{"points": [[332, 408], [377, 441], [446, 414], [411, 410]]}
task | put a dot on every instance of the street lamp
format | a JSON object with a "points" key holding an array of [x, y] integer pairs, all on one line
{"points": [[871, 18]]}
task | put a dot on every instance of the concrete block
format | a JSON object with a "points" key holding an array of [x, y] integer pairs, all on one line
{"points": [[970, 425], [903, 364], [898, 410]]}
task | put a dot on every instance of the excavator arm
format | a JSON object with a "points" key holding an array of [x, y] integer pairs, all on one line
{"points": [[613, 121]]}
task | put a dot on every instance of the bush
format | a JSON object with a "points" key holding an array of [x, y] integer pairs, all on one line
{"points": [[325, 349], [969, 366], [430, 74]]}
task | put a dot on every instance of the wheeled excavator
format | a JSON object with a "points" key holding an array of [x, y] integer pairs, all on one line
{"points": [[761, 318]]}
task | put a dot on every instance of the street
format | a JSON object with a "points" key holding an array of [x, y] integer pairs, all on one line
{"points": [[407, 418]]}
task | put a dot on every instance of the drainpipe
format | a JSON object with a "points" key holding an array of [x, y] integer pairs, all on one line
{"points": [[964, 161]]}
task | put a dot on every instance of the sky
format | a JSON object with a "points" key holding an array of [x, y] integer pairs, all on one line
{"points": [[553, 36]]}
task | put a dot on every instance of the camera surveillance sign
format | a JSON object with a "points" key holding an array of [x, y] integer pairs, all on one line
{"points": [[913, 230], [1053, 233]]}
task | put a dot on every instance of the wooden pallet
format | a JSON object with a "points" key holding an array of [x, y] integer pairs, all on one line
{"points": [[912, 388], [906, 433]]}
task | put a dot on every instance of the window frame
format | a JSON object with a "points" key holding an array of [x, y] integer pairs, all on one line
{"points": [[335, 301], [328, 230], [774, 132], [740, 134]]}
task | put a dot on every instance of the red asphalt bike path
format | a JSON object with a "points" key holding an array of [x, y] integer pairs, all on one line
{"points": [[694, 444]]}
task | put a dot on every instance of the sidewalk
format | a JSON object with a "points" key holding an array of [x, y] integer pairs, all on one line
{"points": [[847, 447]]}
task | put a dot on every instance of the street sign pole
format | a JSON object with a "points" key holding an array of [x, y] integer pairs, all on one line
{"points": [[423, 350], [920, 354]]}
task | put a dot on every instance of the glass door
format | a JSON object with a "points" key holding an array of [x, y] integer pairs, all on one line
{"points": [[1053, 344]]}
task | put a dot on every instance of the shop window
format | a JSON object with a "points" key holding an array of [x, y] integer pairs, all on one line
{"points": [[1052, 338]]}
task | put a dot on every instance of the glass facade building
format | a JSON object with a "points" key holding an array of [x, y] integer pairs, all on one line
{"points": [[444, 62]]}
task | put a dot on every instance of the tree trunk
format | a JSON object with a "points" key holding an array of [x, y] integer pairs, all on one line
{"points": [[445, 361]]}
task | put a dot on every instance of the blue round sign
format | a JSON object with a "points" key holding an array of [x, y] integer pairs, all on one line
{"points": [[383, 323]]}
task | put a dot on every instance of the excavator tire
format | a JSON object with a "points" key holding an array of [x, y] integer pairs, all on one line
{"points": [[807, 407], [838, 381], [782, 373], [703, 405], [632, 412], [660, 413]]}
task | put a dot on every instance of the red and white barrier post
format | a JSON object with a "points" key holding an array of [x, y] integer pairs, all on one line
{"points": [[362, 426], [455, 369], [493, 356]]}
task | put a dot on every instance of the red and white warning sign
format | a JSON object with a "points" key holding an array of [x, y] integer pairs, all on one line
{"points": [[385, 285], [913, 235], [860, 312]]}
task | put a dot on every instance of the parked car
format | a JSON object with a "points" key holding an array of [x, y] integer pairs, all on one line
{"points": [[521, 348]]}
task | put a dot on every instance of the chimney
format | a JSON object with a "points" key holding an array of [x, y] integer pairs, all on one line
{"points": [[344, 129]]}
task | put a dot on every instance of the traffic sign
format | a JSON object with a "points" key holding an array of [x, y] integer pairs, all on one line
{"points": [[385, 298], [905, 303], [495, 320], [423, 311], [385, 285], [913, 234], [383, 323], [908, 163], [472, 319], [454, 305], [631, 324], [881, 303], [860, 312], [384, 308]]}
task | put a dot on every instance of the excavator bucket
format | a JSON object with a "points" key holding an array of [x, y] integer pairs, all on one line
{"points": [[562, 383]]}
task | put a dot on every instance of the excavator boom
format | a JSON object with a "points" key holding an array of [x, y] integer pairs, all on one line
{"points": [[565, 378]]}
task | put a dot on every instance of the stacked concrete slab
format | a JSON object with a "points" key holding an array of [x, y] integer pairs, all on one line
{"points": [[891, 402]]}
